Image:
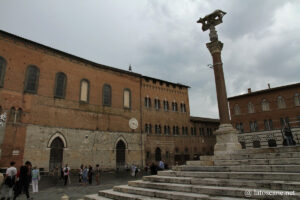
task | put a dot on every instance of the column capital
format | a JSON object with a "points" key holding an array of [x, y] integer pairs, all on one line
{"points": [[214, 47]]}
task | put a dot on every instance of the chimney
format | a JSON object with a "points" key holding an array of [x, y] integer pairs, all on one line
{"points": [[249, 90], [269, 86]]}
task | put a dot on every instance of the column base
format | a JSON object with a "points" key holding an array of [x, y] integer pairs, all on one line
{"points": [[227, 140]]}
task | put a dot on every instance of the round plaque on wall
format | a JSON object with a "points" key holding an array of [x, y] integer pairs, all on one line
{"points": [[133, 123]]}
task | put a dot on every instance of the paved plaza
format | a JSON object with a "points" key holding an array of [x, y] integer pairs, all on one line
{"points": [[53, 188]]}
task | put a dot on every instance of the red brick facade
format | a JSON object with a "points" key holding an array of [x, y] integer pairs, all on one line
{"points": [[43, 109], [271, 108]]}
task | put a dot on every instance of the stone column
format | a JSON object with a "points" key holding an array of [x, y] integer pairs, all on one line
{"points": [[226, 135]]}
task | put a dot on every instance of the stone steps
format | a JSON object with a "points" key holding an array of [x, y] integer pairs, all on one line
{"points": [[207, 190], [255, 184], [282, 161], [244, 174], [168, 194], [235, 175], [258, 156], [117, 195], [243, 168]]}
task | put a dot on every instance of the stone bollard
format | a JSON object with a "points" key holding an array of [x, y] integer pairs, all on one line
{"points": [[65, 197]]}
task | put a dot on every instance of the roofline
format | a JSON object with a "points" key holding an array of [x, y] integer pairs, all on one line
{"points": [[204, 119], [265, 91], [70, 55], [178, 84]]}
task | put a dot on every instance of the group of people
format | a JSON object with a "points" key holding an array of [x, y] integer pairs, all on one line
{"points": [[153, 168], [17, 182], [86, 174]]}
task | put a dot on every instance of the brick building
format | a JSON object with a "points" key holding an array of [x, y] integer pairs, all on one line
{"points": [[267, 111], [65, 109]]}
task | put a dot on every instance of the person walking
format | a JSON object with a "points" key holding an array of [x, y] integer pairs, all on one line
{"points": [[24, 180], [9, 181], [97, 174], [66, 171], [35, 179], [90, 175], [80, 173], [85, 175]]}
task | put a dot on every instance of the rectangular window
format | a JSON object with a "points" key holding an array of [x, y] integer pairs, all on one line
{"points": [[84, 91], [126, 99]]}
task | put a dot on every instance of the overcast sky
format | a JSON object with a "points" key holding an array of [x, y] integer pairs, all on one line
{"points": [[160, 38]]}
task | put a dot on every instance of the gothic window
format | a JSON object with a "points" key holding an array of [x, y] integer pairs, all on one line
{"points": [[32, 79], [250, 107], [268, 124], [239, 126], [182, 107], [148, 128], [193, 131], [12, 115], [237, 109], [157, 129], [147, 102], [19, 115], [127, 98], [265, 105], [157, 104], [2, 71], [253, 126], [174, 106], [166, 105], [106, 95], [60, 85], [281, 102], [297, 99], [84, 90]]}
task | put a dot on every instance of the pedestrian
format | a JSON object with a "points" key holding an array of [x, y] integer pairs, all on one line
{"points": [[161, 165], [288, 136], [133, 168], [97, 174], [80, 173], [35, 179], [24, 180], [153, 169], [66, 171], [136, 171], [85, 175], [90, 174], [9, 181]]}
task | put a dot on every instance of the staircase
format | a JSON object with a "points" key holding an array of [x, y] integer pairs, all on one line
{"points": [[245, 174]]}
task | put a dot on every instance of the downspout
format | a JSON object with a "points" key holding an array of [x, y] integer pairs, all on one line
{"points": [[141, 120]]}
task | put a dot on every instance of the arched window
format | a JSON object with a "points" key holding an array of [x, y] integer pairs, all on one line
{"points": [[265, 105], [84, 90], [157, 154], [19, 115], [12, 115], [297, 99], [2, 71], [237, 110], [60, 85], [32, 79], [127, 98], [281, 102], [250, 107], [106, 95]]}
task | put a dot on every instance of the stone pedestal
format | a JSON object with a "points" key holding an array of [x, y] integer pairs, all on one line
{"points": [[227, 140]]}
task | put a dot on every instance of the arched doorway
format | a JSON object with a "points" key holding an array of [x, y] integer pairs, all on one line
{"points": [[157, 154], [120, 156], [56, 154]]}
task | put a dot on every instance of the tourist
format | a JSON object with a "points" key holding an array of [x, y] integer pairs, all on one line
{"points": [[153, 169], [288, 136], [90, 174], [80, 173], [35, 179], [97, 174], [22, 184], [85, 175], [9, 181], [133, 168], [161, 165], [66, 172]]}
